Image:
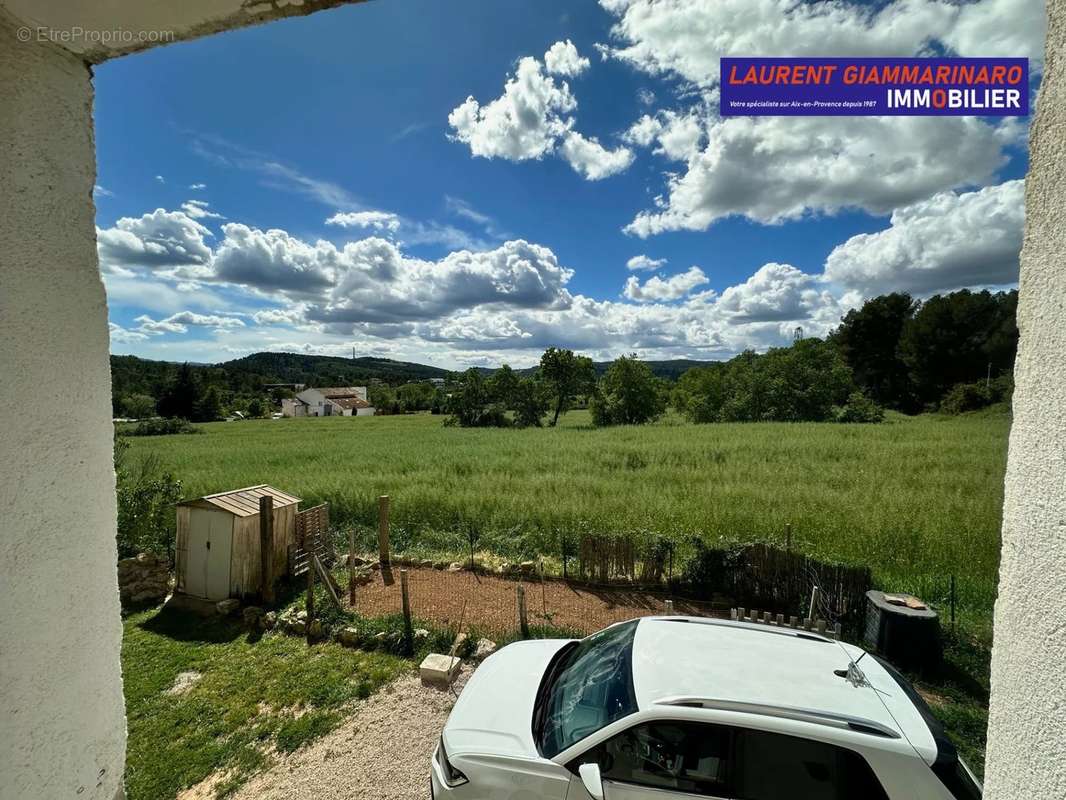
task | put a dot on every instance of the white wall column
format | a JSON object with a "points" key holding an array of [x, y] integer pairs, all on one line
{"points": [[1027, 722], [62, 715]]}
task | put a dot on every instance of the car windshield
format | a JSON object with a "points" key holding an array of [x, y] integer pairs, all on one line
{"points": [[589, 686]]}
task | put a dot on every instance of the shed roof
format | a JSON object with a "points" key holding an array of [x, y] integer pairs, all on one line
{"points": [[244, 502]]}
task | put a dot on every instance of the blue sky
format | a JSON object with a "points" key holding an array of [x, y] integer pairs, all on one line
{"points": [[324, 183]]}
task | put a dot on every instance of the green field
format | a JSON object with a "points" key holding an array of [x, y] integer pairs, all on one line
{"points": [[918, 499]]}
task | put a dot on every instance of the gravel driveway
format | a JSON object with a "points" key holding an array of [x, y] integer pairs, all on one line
{"points": [[381, 751]]}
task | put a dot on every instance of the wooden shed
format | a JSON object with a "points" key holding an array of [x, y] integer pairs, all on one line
{"points": [[217, 550]]}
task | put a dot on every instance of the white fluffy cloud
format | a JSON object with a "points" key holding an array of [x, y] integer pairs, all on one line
{"points": [[534, 118], [562, 58], [120, 335], [377, 284], [643, 263], [949, 241], [273, 261], [657, 290], [687, 37], [525, 122], [180, 323], [779, 293], [158, 239], [772, 169], [200, 209], [591, 160], [377, 220]]}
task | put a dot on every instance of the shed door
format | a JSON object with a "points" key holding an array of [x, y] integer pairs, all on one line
{"points": [[210, 537]]}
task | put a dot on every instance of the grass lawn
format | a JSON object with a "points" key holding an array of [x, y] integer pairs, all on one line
{"points": [[254, 697], [918, 499]]}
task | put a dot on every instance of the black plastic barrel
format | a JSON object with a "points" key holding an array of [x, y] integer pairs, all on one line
{"points": [[908, 637]]}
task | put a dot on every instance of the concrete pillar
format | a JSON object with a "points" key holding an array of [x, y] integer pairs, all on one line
{"points": [[1027, 723], [63, 724]]}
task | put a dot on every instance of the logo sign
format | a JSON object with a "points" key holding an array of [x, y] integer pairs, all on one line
{"points": [[987, 87]]}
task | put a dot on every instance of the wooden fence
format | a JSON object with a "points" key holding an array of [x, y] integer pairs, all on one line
{"points": [[312, 537]]}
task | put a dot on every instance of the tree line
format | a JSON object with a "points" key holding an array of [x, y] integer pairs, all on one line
{"points": [[951, 353]]}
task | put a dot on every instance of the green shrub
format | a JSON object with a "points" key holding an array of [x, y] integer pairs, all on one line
{"points": [[161, 426], [965, 397], [860, 408], [146, 495]]}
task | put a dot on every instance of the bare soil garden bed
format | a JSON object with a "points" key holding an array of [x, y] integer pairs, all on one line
{"points": [[491, 605]]}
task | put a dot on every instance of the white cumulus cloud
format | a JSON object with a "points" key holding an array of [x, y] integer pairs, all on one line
{"points": [[947, 242], [643, 263], [377, 220], [562, 58], [534, 117], [658, 290]]}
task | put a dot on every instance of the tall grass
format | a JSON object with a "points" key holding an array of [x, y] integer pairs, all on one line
{"points": [[918, 499]]}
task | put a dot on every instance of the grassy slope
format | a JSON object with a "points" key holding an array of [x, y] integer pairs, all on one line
{"points": [[916, 498], [253, 696]]}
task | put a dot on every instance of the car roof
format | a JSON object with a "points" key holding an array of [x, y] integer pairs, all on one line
{"points": [[769, 670]]}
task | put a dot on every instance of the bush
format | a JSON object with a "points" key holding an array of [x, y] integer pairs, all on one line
{"points": [[860, 408], [161, 426], [146, 495], [965, 397]]}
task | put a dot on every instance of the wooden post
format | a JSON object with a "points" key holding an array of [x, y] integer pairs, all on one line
{"points": [[383, 530], [266, 548], [310, 607], [351, 568], [523, 621], [814, 599], [408, 630], [669, 607]]}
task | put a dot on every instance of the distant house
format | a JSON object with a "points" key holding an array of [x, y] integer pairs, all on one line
{"points": [[335, 401]]}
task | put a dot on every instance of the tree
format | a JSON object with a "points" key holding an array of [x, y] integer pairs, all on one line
{"points": [[383, 399], [502, 385], [138, 406], [957, 338], [256, 408], [413, 397], [530, 400], [182, 396], [209, 408], [566, 375], [803, 382], [869, 340], [628, 394], [472, 404]]}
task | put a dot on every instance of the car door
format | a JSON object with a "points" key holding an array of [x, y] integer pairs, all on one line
{"points": [[677, 758], [659, 760]]}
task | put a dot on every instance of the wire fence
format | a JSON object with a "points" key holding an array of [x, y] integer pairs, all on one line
{"points": [[493, 604]]}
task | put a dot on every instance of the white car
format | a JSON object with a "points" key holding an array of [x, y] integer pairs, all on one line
{"points": [[681, 707]]}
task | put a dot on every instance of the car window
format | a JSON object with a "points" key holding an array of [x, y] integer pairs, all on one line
{"points": [[687, 757], [591, 687], [724, 761], [773, 765]]}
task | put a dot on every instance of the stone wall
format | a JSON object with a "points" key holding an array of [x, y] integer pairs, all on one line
{"points": [[143, 579]]}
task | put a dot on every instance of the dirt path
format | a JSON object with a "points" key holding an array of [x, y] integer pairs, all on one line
{"points": [[491, 604], [381, 751]]}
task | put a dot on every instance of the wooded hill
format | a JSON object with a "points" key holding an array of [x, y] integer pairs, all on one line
{"points": [[247, 376]]}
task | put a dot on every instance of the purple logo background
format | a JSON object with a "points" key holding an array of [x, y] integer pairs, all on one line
{"points": [[835, 97]]}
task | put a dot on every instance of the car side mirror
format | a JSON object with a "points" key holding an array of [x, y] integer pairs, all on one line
{"points": [[590, 776]]}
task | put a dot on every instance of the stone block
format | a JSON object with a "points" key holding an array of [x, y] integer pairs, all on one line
{"points": [[438, 670]]}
